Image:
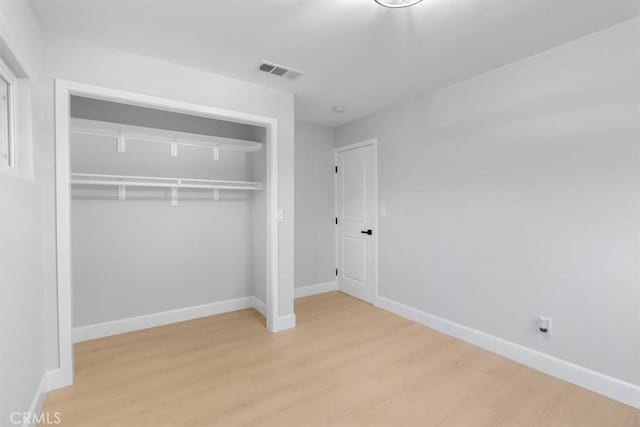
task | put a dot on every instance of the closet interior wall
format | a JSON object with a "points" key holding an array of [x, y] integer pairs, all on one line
{"points": [[258, 173], [141, 255]]}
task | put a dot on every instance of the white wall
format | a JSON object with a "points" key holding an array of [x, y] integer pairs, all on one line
{"points": [[138, 257], [258, 223], [21, 257], [517, 193], [314, 190], [93, 64]]}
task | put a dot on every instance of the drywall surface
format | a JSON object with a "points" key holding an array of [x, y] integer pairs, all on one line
{"points": [[517, 193], [138, 257], [315, 228], [21, 256], [141, 255], [258, 268], [97, 65]]}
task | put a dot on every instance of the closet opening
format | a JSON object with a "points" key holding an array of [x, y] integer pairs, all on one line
{"points": [[166, 212]]}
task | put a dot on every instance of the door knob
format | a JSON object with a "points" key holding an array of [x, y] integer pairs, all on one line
{"points": [[369, 232]]}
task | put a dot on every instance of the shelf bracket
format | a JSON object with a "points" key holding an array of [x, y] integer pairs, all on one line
{"points": [[174, 196], [174, 149], [122, 192], [122, 143], [216, 153], [216, 194]]}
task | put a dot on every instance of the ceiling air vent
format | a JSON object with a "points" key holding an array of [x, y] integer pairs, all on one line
{"points": [[279, 70]]}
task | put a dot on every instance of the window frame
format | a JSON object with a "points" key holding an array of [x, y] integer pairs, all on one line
{"points": [[8, 76]]}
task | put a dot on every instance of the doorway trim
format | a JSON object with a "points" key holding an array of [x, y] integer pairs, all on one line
{"points": [[64, 89], [373, 142]]}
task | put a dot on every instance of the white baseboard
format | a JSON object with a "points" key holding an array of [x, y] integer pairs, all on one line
{"points": [[121, 326], [259, 306], [279, 323], [35, 408], [56, 379], [319, 288], [115, 327], [283, 322], [603, 384]]}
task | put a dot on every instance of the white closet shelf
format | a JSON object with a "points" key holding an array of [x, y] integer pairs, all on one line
{"points": [[123, 133], [162, 182]]}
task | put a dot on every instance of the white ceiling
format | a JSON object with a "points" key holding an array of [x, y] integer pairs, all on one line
{"points": [[355, 53]]}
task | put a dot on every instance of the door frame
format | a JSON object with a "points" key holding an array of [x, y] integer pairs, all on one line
{"points": [[368, 142], [64, 89]]}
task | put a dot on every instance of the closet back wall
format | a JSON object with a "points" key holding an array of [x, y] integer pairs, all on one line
{"points": [[141, 255]]}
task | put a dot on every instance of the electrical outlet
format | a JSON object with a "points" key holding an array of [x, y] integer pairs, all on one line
{"points": [[544, 325]]}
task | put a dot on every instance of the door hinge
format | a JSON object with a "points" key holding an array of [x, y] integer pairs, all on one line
{"points": [[336, 271], [336, 169]]}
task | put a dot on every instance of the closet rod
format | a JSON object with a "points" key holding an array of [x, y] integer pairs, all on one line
{"points": [[165, 185], [160, 178]]}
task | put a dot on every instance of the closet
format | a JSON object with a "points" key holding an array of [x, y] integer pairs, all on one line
{"points": [[168, 212]]}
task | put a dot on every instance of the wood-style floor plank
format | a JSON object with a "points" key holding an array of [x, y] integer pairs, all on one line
{"points": [[346, 364]]}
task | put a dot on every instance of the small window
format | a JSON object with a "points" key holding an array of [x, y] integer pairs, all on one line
{"points": [[7, 82]]}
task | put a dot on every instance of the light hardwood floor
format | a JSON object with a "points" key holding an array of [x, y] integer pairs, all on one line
{"points": [[346, 364]]}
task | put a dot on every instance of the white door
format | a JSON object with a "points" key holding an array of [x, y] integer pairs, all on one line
{"points": [[356, 220]]}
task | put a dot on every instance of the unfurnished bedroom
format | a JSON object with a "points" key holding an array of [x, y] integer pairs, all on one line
{"points": [[320, 213]]}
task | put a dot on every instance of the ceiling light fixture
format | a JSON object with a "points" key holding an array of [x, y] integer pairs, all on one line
{"points": [[338, 109], [396, 4]]}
